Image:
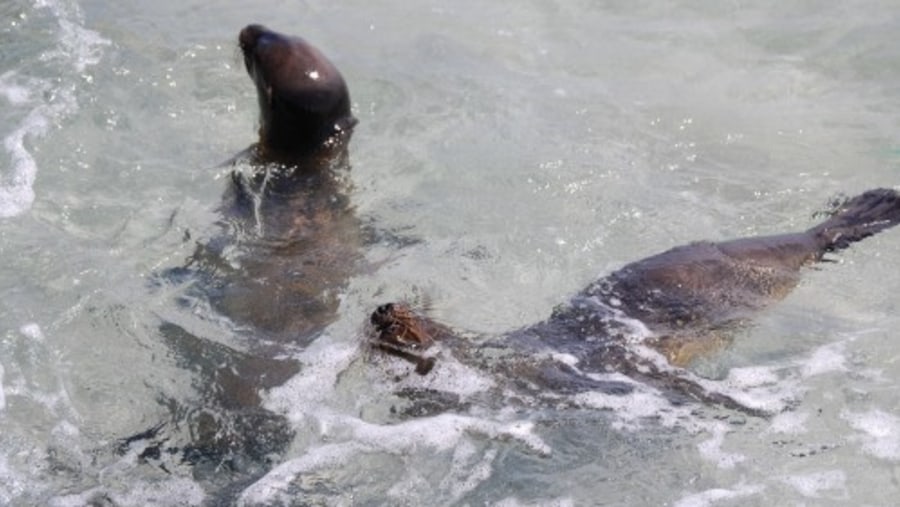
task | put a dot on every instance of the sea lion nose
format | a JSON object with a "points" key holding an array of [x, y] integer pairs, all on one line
{"points": [[381, 314], [250, 36]]}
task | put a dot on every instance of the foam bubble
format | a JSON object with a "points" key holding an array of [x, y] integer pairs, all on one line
{"points": [[632, 409], [753, 376], [322, 362], [79, 45], [759, 388], [11, 486], [2, 393], [712, 449], [439, 433], [464, 475], [826, 359], [710, 496], [17, 195], [77, 48], [177, 491], [93, 496], [33, 331], [276, 482], [811, 485], [789, 422], [13, 93], [449, 375], [515, 502], [880, 432]]}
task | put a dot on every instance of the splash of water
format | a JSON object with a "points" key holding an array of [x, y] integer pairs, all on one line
{"points": [[76, 49]]}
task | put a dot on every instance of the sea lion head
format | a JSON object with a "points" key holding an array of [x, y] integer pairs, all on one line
{"points": [[303, 99]]}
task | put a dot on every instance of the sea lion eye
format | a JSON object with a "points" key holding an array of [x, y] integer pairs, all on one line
{"points": [[381, 316]]}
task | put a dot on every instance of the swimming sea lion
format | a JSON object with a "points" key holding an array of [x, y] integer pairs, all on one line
{"points": [[687, 297], [291, 236], [288, 243]]}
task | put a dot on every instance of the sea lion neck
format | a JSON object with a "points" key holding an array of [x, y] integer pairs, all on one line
{"points": [[303, 100]]}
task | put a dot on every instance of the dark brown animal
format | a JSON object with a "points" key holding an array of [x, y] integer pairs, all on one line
{"points": [[288, 243], [292, 238], [688, 298]]}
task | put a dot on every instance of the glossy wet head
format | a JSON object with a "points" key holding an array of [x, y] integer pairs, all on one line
{"points": [[399, 332], [303, 99]]}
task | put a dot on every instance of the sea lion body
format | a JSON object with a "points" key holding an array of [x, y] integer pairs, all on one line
{"points": [[290, 236], [285, 255], [685, 299], [287, 242]]}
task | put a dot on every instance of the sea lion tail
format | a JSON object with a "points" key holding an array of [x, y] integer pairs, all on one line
{"points": [[857, 218]]}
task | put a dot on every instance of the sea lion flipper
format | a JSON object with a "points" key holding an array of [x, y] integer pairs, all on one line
{"points": [[860, 217]]}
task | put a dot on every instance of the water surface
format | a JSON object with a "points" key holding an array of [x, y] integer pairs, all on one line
{"points": [[521, 150]]}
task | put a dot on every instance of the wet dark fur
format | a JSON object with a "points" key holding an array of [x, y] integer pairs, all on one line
{"points": [[688, 297], [292, 238], [288, 243]]}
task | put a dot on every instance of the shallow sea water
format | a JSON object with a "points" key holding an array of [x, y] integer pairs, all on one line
{"points": [[523, 150]]}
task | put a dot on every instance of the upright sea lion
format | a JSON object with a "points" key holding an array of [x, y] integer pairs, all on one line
{"points": [[288, 243], [292, 238], [687, 298]]}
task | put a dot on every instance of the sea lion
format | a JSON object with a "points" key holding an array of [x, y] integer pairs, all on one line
{"points": [[291, 238], [687, 297], [288, 241]]}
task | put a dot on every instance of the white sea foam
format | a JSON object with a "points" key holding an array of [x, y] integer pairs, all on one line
{"points": [[812, 485], [448, 375], [273, 487], [789, 422], [468, 469], [439, 433], [2, 392], [712, 496], [880, 432], [322, 362], [759, 388], [826, 359], [515, 502], [176, 491], [11, 486], [630, 411], [16, 192], [308, 398], [14, 93], [711, 449], [33, 331], [51, 100]]}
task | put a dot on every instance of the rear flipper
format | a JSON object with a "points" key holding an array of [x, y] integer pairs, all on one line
{"points": [[858, 218]]}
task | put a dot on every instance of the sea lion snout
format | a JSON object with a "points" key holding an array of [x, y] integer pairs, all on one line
{"points": [[303, 99]]}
